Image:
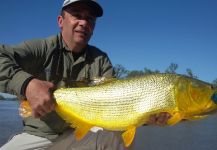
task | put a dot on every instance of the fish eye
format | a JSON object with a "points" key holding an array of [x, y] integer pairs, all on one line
{"points": [[214, 97]]}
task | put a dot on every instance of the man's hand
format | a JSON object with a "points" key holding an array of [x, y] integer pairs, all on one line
{"points": [[40, 97], [159, 119]]}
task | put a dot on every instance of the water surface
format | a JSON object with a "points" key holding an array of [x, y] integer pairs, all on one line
{"points": [[10, 121]]}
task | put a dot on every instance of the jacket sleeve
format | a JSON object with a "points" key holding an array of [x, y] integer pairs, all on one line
{"points": [[16, 67]]}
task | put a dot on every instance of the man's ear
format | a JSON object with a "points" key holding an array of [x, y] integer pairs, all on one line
{"points": [[60, 21]]}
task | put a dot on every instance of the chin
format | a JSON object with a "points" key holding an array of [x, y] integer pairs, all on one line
{"points": [[82, 41]]}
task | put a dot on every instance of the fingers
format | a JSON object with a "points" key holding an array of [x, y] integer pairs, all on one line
{"points": [[38, 113], [163, 118], [152, 119], [159, 119], [45, 107], [40, 96]]}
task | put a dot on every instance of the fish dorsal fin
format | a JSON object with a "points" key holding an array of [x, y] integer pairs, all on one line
{"points": [[101, 80], [128, 136]]}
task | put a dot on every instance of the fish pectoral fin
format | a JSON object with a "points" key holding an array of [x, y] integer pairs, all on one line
{"points": [[81, 131], [177, 117], [128, 136]]}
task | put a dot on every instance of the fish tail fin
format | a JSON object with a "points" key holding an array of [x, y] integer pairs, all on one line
{"points": [[128, 136], [25, 110]]}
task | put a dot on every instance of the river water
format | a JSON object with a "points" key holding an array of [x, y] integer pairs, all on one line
{"points": [[10, 121], [194, 135]]}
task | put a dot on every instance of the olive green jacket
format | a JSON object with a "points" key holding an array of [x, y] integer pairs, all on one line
{"points": [[48, 59]]}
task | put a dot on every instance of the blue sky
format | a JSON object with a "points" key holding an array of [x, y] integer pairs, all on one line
{"points": [[135, 34]]}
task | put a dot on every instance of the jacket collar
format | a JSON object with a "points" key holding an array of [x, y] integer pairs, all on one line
{"points": [[63, 46]]}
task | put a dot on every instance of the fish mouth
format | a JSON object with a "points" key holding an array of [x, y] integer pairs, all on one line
{"points": [[209, 113], [213, 111], [214, 98]]}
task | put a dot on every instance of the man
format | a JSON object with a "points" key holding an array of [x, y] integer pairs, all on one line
{"points": [[34, 69]]}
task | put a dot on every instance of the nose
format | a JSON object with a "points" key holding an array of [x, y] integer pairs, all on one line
{"points": [[86, 25], [83, 22], [214, 97]]}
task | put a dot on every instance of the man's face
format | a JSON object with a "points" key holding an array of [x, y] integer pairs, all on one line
{"points": [[77, 24]]}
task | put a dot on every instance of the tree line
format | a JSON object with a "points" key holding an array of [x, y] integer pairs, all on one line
{"points": [[122, 72]]}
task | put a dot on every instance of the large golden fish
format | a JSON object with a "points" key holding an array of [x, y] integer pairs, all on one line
{"points": [[126, 104]]}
